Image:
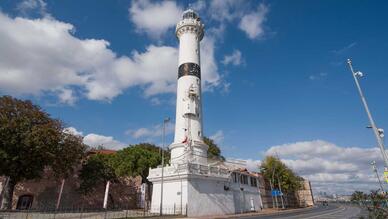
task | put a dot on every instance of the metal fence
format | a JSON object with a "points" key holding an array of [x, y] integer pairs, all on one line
{"points": [[88, 213]]}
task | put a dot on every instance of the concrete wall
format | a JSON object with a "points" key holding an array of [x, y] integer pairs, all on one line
{"points": [[172, 192], [208, 197], [212, 196]]}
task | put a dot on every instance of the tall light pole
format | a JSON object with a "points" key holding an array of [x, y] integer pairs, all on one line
{"points": [[272, 183], [373, 163], [356, 75], [281, 193], [165, 121]]}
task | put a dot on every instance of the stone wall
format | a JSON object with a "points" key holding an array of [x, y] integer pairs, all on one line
{"points": [[45, 191], [305, 195]]}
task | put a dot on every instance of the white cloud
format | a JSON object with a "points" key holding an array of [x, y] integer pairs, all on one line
{"points": [[218, 137], [252, 23], [154, 18], [319, 76], [67, 96], [72, 130], [344, 49], [26, 6], [223, 12], [151, 132], [253, 165], [43, 55], [226, 10], [95, 140], [209, 69], [331, 168], [235, 58]]}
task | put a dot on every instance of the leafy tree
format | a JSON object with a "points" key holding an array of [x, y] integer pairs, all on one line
{"points": [[214, 152], [96, 170], [275, 170], [375, 203], [358, 196], [31, 141], [136, 160]]}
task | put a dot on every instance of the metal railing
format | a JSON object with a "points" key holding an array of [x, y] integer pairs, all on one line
{"points": [[192, 168], [89, 213]]}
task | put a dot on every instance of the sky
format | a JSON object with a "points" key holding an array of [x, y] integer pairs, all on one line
{"points": [[274, 75]]}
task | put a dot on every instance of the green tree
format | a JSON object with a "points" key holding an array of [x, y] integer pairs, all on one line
{"points": [[136, 160], [214, 152], [31, 141], [274, 170], [358, 196], [98, 169], [377, 205]]}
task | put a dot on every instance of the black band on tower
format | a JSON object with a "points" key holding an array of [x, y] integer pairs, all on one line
{"points": [[189, 69]]}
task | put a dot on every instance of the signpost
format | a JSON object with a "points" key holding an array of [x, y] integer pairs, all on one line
{"points": [[386, 175], [276, 192]]}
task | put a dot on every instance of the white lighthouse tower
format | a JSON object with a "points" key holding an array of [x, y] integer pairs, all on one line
{"points": [[188, 143], [190, 184]]}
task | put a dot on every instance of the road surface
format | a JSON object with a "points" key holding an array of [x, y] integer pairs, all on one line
{"points": [[319, 212]]}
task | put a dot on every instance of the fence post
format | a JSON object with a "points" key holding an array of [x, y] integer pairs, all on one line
{"points": [[174, 208], [55, 213], [144, 210], [81, 211]]}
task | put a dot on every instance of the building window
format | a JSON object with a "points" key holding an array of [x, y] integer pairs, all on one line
{"points": [[234, 176], [253, 182], [24, 202], [243, 179]]}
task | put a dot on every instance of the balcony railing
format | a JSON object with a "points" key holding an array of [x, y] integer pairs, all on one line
{"points": [[191, 168]]}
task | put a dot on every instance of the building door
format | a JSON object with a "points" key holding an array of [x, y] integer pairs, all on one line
{"points": [[24, 202]]}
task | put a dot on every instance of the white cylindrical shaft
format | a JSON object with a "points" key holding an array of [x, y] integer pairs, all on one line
{"points": [[188, 122]]}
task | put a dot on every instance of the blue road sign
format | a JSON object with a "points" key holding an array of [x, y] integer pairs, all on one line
{"points": [[275, 192]]}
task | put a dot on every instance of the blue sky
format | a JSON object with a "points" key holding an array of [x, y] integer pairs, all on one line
{"points": [[275, 75]]}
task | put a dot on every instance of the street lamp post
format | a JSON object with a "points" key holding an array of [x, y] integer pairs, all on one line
{"points": [[281, 193], [165, 121], [372, 123], [373, 163], [273, 188]]}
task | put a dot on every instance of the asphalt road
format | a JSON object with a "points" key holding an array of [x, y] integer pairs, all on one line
{"points": [[320, 212]]}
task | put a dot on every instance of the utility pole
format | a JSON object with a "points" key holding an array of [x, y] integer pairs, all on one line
{"points": [[60, 194], [166, 120], [273, 186], [281, 193], [280, 187], [272, 189], [372, 122], [373, 163], [105, 204]]}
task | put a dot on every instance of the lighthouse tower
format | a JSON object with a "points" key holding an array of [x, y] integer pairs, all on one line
{"points": [[188, 143], [190, 184]]}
